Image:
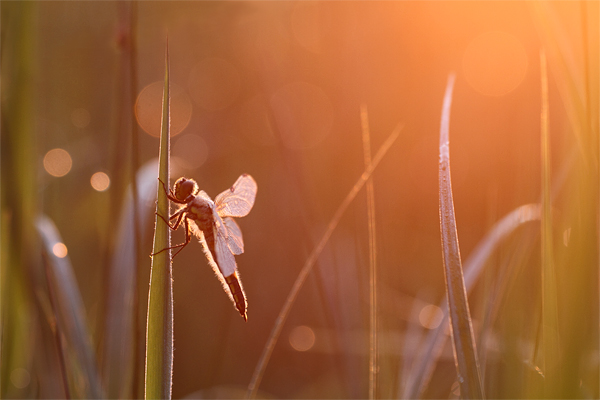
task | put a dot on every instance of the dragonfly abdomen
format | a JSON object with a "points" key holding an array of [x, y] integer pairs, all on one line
{"points": [[239, 296]]}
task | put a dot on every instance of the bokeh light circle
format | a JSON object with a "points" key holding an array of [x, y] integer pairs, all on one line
{"points": [[80, 117], [60, 250], [190, 151], [58, 162], [304, 114], [214, 83], [100, 181], [431, 316], [148, 108], [302, 338], [495, 63], [20, 378]]}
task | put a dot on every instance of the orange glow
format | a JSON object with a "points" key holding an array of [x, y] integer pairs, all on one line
{"points": [[58, 162], [495, 63], [431, 316], [60, 250], [302, 338], [214, 83], [305, 25], [148, 109], [304, 114], [80, 117], [100, 181]]}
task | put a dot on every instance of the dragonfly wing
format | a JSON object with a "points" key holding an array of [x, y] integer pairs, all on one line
{"points": [[225, 259], [237, 201], [234, 236]]}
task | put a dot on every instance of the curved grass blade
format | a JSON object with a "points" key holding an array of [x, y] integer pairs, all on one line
{"points": [[77, 352], [465, 355], [373, 367], [314, 255], [427, 357], [159, 328], [119, 337]]}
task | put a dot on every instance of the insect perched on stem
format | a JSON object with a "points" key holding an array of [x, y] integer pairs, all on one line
{"points": [[212, 223]]}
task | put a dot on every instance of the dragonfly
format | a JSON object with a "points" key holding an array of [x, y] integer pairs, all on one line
{"points": [[213, 224]]}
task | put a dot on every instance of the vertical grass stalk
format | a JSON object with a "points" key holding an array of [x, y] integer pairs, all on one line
{"points": [[310, 262], [465, 355], [373, 364], [550, 338], [159, 328]]}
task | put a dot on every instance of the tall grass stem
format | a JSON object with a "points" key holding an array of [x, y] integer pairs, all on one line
{"points": [[314, 255], [373, 364]]}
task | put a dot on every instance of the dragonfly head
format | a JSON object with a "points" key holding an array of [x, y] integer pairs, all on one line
{"points": [[184, 188]]}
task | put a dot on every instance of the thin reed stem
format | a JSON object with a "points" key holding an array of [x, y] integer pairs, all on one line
{"points": [[373, 364], [275, 332], [550, 338]]}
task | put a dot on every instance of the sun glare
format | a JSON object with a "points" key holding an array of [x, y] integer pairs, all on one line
{"points": [[495, 63]]}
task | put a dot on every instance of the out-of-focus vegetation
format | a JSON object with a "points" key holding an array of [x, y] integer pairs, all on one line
{"points": [[275, 89]]}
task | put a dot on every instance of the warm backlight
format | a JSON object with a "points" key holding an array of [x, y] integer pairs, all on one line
{"points": [[494, 63], [100, 181], [60, 250], [58, 162], [214, 83], [148, 109], [302, 338]]}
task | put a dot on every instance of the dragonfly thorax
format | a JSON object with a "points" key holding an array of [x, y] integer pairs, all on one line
{"points": [[185, 189], [201, 211]]}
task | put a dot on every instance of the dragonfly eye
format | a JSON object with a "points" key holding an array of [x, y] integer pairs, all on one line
{"points": [[183, 188]]}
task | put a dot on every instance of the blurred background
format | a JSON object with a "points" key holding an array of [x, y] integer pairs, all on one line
{"points": [[274, 89]]}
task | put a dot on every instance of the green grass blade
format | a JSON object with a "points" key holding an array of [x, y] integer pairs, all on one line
{"points": [[159, 328], [119, 337], [428, 354], [77, 351], [465, 355], [19, 189], [373, 367], [550, 338], [314, 255]]}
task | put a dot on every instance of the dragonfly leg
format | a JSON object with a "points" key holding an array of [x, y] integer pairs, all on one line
{"points": [[188, 238], [170, 194], [179, 215]]}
